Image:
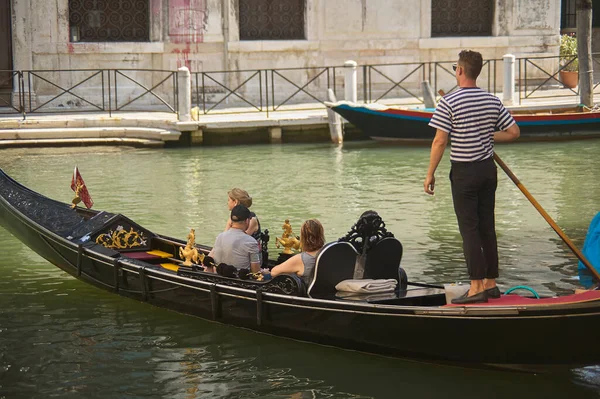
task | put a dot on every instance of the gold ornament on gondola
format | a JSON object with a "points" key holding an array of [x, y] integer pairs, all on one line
{"points": [[189, 253], [288, 240], [121, 238], [77, 198]]}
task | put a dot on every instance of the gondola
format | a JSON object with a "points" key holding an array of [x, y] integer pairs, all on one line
{"points": [[406, 125], [414, 321]]}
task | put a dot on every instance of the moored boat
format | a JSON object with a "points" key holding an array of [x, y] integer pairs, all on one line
{"points": [[115, 253], [393, 123]]}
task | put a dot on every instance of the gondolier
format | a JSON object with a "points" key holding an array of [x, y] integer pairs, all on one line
{"points": [[474, 120]]}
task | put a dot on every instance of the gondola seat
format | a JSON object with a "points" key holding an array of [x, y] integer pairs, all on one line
{"points": [[335, 263], [383, 261], [148, 256]]}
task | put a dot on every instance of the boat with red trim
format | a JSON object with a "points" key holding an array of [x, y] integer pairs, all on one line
{"points": [[412, 320], [381, 122]]}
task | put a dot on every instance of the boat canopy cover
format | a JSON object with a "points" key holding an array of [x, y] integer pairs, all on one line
{"points": [[591, 250]]}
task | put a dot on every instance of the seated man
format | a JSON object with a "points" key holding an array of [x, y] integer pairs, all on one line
{"points": [[234, 247]]}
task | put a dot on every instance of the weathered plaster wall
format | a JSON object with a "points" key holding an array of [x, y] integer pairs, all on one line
{"points": [[379, 31], [204, 35]]}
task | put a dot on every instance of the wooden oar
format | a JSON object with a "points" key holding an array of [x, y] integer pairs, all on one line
{"points": [[551, 222]]}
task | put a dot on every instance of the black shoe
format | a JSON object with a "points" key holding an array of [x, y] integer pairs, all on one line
{"points": [[480, 297], [493, 293]]}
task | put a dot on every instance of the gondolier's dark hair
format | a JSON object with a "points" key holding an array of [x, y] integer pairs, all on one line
{"points": [[472, 62], [312, 235]]}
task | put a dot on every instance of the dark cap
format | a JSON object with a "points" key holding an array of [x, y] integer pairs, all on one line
{"points": [[240, 213]]}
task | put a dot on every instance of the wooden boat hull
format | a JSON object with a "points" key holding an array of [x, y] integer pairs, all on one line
{"points": [[382, 123], [409, 325]]}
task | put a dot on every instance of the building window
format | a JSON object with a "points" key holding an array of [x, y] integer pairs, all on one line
{"points": [[461, 18], [271, 19], [568, 14], [109, 20]]}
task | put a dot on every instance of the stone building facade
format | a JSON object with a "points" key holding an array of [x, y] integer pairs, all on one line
{"points": [[224, 35]]}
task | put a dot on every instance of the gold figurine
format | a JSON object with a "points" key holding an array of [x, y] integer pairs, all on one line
{"points": [[77, 198], [190, 253], [287, 239]]}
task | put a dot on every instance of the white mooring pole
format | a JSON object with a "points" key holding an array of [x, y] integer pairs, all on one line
{"points": [[508, 94]]}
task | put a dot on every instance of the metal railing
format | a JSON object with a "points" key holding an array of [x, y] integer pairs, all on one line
{"points": [[301, 85], [221, 86], [10, 78], [262, 90], [166, 80], [46, 81], [91, 90], [546, 74], [272, 89], [388, 83]]}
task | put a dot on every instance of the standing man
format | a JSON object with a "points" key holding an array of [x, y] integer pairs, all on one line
{"points": [[474, 120]]}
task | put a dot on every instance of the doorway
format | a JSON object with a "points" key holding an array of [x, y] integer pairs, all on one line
{"points": [[6, 80]]}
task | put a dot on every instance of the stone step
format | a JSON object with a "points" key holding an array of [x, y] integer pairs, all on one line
{"points": [[104, 133], [67, 121], [115, 141]]}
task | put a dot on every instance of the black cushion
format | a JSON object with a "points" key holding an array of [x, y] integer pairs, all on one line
{"points": [[383, 260], [335, 263]]}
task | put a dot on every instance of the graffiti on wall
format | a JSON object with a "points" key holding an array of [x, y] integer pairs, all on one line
{"points": [[187, 20], [187, 24]]}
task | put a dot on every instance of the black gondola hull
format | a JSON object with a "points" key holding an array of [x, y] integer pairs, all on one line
{"points": [[529, 336]]}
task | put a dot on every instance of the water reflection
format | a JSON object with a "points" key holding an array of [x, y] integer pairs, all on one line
{"points": [[60, 337]]}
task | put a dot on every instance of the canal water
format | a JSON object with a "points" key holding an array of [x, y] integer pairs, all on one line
{"points": [[62, 338]]}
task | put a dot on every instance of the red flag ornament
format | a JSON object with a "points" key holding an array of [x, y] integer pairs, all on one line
{"points": [[81, 191]]}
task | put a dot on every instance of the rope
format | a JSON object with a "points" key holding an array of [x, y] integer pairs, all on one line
{"points": [[522, 287], [596, 107]]}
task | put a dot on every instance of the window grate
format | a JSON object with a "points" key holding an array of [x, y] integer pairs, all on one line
{"points": [[461, 18], [109, 20], [568, 14], [271, 19]]}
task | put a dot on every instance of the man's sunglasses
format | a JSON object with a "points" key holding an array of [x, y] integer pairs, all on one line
{"points": [[454, 66]]}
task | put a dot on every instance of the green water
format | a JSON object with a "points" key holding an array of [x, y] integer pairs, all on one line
{"points": [[60, 337]]}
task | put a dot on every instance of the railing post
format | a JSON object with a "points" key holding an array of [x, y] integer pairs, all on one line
{"points": [[109, 95], [508, 94], [350, 81], [184, 88], [365, 98]]}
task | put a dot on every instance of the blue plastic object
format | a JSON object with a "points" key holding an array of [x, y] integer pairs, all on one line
{"points": [[522, 287], [591, 250]]}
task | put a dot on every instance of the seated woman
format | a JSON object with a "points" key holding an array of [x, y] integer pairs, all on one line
{"points": [[237, 196], [312, 238]]}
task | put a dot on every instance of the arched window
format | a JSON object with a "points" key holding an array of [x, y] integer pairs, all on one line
{"points": [[109, 20], [271, 19], [461, 18]]}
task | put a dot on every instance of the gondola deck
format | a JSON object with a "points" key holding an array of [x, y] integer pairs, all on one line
{"points": [[517, 300]]}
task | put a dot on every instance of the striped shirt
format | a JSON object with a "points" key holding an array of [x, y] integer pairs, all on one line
{"points": [[471, 116]]}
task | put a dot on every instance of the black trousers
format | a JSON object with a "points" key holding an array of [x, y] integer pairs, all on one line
{"points": [[474, 195]]}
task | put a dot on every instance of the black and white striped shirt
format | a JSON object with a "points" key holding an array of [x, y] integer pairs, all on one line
{"points": [[471, 116]]}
